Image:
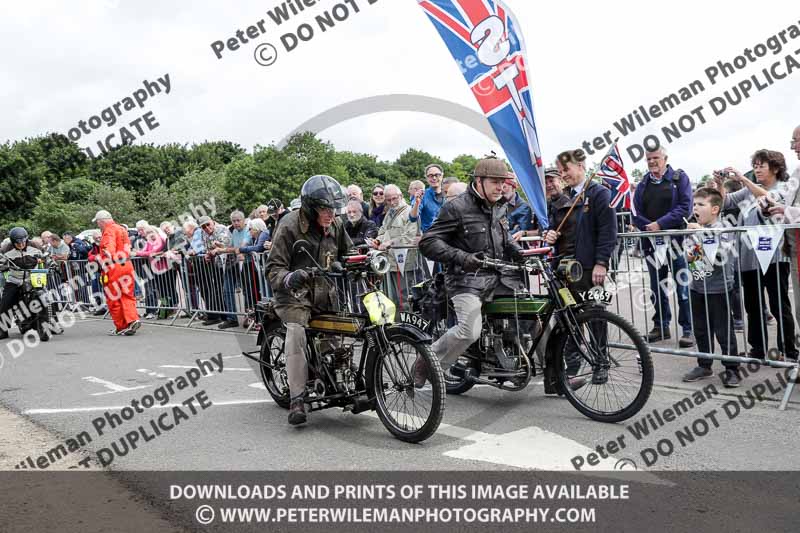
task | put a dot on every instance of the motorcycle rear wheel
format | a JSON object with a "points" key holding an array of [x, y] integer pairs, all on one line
{"points": [[273, 353]]}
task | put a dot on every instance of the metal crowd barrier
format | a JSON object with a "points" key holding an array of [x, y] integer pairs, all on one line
{"points": [[225, 287], [752, 321]]}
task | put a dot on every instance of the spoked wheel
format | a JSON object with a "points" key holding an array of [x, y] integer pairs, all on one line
{"points": [[274, 376], [605, 340], [411, 414]]}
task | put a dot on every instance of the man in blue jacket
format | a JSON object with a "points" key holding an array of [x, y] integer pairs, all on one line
{"points": [[426, 208], [661, 202]]}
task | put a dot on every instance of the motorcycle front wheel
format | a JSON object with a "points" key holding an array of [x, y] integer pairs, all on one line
{"points": [[603, 339], [409, 413]]}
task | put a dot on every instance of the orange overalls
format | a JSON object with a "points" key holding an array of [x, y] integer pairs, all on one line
{"points": [[119, 278]]}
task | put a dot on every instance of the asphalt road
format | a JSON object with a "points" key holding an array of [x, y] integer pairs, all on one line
{"points": [[64, 385]]}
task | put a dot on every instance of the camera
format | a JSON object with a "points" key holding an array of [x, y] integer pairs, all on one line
{"points": [[723, 174], [765, 205]]}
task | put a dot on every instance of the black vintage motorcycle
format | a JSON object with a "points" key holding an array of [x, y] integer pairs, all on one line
{"points": [[566, 335], [381, 379], [33, 311]]}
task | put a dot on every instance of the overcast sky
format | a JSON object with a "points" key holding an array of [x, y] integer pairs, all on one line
{"points": [[590, 64]]}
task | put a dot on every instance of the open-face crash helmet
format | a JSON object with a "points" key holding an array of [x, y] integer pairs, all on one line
{"points": [[321, 192]]}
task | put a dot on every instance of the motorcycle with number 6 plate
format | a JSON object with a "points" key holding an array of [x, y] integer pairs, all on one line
{"points": [[357, 361], [29, 274]]}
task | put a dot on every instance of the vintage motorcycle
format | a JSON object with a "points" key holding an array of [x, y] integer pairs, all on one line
{"points": [[33, 311], [381, 379], [565, 334]]}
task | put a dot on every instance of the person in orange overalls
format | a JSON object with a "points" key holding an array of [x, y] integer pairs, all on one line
{"points": [[118, 275]]}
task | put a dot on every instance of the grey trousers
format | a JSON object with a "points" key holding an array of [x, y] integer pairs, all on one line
{"points": [[461, 336], [296, 320]]}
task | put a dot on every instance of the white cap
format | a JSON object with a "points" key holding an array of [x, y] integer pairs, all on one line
{"points": [[102, 215]]}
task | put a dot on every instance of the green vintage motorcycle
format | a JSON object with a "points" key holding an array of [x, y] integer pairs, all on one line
{"points": [[597, 359]]}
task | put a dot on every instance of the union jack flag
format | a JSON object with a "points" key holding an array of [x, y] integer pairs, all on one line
{"points": [[615, 178], [485, 40]]}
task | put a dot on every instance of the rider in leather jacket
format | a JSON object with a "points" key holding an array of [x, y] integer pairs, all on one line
{"points": [[470, 227], [295, 298], [19, 252]]}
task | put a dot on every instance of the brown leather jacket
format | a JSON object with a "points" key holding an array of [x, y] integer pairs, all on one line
{"points": [[326, 248]]}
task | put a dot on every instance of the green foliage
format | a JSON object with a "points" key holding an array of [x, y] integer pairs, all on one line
{"points": [[462, 167], [273, 173], [22, 168], [63, 159], [197, 188], [53, 214], [79, 190], [412, 164], [137, 167], [120, 202], [48, 183], [214, 154]]}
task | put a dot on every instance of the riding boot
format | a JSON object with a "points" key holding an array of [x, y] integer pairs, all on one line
{"points": [[297, 411]]}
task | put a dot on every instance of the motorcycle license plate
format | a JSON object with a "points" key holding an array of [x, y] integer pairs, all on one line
{"points": [[39, 279], [414, 320], [596, 295], [566, 297]]}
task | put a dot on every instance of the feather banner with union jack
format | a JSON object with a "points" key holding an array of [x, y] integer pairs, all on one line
{"points": [[615, 178], [485, 40]]}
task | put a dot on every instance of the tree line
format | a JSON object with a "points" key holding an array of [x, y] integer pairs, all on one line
{"points": [[48, 183]]}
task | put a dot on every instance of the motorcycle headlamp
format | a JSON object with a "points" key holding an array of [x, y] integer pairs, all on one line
{"points": [[571, 270], [379, 263]]}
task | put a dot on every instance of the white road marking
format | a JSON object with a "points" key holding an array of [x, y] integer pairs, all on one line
{"points": [[113, 386], [225, 369], [118, 407], [150, 373], [533, 448]]}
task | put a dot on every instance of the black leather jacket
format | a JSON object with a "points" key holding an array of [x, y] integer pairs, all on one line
{"points": [[465, 225], [361, 230]]}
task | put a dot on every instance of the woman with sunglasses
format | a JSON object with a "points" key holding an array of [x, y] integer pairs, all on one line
{"points": [[377, 208]]}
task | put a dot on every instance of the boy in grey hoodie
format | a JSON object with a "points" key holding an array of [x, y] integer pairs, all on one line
{"points": [[711, 287]]}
